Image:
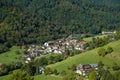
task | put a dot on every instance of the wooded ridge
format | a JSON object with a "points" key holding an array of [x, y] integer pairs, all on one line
{"points": [[37, 21]]}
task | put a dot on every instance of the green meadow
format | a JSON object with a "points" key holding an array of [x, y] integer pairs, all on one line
{"points": [[37, 77], [11, 56], [4, 77], [90, 38], [48, 77]]}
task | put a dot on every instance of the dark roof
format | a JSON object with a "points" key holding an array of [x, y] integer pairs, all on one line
{"points": [[87, 67]]}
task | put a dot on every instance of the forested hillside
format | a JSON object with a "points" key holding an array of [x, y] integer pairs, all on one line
{"points": [[36, 21]]}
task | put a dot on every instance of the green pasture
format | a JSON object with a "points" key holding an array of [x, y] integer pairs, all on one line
{"points": [[11, 56], [90, 38], [48, 77]]}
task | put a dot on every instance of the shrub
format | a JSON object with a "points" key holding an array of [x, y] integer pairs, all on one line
{"points": [[115, 66], [17, 52], [55, 72], [48, 71], [101, 52]]}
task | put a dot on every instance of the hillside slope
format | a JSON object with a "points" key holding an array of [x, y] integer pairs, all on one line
{"points": [[90, 57]]}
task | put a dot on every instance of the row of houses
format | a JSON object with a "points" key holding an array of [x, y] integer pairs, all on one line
{"points": [[58, 47]]}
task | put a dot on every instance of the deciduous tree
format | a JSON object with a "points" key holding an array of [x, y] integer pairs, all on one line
{"points": [[20, 75]]}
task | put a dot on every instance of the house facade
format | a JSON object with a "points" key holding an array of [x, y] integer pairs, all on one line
{"points": [[84, 69]]}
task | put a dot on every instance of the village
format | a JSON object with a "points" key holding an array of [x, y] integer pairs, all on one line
{"points": [[58, 46], [38, 57]]}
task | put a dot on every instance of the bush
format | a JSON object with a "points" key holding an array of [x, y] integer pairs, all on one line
{"points": [[3, 72], [101, 52], [63, 73], [48, 71], [109, 50], [20, 75], [93, 75], [26, 52], [3, 48], [17, 52], [116, 67], [6, 69], [73, 67], [55, 72]]}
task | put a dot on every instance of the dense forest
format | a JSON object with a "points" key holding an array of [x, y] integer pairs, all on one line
{"points": [[37, 21]]}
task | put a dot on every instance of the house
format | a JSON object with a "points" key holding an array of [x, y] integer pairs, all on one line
{"points": [[30, 49], [57, 51], [78, 47], [95, 66], [23, 46], [69, 47], [49, 49], [34, 51], [55, 47], [26, 62], [41, 69], [61, 40], [82, 43], [28, 59], [84, 69], [73, 36], [109, 32], [49, 43]]}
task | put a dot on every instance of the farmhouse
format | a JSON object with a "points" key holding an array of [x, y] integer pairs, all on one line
{"points": [[49, 43], [41, 69], [80, 46], [84, 69], [110, 32], [34, 51]]}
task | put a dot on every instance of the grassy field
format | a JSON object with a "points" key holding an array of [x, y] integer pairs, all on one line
{"points": [[38, 77], [11, 56], [44, 77], [4, 77], [90, 38], [90, 57]]}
